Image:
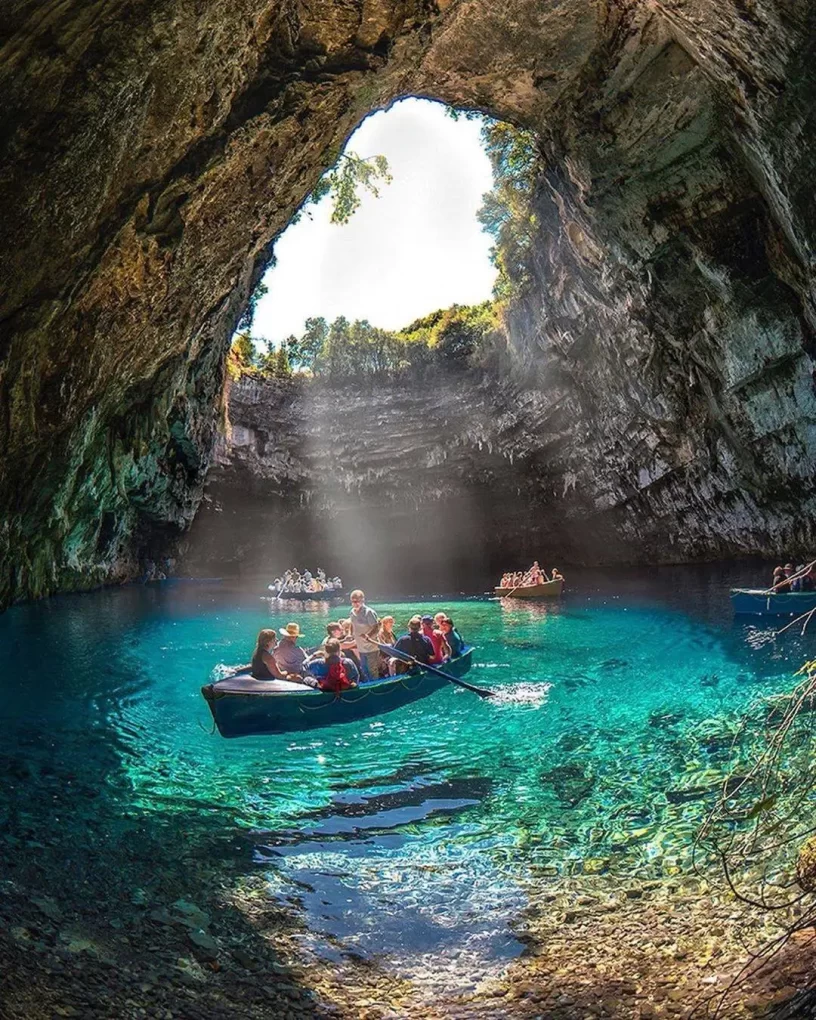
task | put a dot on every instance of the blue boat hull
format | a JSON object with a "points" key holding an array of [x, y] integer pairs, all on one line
{"points": [[747, 602], [243, 707]]}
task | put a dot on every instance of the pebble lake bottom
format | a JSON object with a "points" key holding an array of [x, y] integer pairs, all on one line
{"points": [[412, 839]]}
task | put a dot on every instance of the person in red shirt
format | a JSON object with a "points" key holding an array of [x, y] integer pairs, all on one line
{"points": [[341, 673], [437, 639]]}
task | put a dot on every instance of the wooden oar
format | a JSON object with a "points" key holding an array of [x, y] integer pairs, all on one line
{"points": [[483, 692], [521, 584], [510, 593]]}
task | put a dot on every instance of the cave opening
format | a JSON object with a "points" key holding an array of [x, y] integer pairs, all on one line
{"points": [[365, 366]]}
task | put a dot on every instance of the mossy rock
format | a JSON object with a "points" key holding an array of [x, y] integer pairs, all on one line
{"points": [[806, 865]]}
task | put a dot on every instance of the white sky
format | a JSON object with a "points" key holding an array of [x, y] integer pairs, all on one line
{"points": [[416, 248]]}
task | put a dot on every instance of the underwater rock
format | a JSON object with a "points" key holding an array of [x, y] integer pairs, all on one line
{"points": [[710, 681], [806, 866], [191, 915], [48, 907], [570, 741], [664, 720], [205, 945], [691, 793], [596, 865], [570, 783]]}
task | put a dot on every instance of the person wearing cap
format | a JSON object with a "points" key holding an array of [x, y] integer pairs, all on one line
{"points": [[364, 626], [288, 654], [415, 644], [437, 639]]}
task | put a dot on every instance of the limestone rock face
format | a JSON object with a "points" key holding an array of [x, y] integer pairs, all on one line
{"points": [[403, 482], [153, 150]]}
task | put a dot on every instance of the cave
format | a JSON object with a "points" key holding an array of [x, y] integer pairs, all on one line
{"points": [[655, 404], [669, 331]]}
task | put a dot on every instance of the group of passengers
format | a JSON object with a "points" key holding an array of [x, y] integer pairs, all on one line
{"points": [[356, 650], [525, 578], [293, 582], [790, 578]]}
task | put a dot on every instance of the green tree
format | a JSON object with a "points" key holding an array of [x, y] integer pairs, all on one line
{"points": [[507, 209], [248, 317], [343, 181], [266, 361], [243, 351], [304, 350], [334, 359], [283, 370]]}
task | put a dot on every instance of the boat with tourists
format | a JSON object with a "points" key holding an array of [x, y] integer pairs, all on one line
{"points": [[530, 584], [242, 706], [792, 593], [305, 586], [762, 602]]}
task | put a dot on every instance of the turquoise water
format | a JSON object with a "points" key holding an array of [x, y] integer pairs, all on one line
{"points": [[412, 833]]}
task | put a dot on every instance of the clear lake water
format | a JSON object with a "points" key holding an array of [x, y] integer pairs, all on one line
{"points": [[414, 835]]}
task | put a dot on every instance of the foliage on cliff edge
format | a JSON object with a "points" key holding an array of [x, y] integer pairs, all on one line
{"points": [[454, 339]]}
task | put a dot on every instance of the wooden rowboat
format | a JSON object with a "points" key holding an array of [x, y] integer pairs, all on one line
{"points": [[242, 706], [757, 602], [549, 589]]}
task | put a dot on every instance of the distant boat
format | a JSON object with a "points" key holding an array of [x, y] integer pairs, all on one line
{"points": [[242, 706], [308, 596], [757, 602], [549, 589]]}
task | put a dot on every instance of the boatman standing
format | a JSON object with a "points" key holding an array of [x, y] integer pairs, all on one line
{"points": [[364, 626]]}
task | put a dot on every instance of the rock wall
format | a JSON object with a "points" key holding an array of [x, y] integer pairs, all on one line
{"points": [[407, 482], [671, 313], [151, 151]]}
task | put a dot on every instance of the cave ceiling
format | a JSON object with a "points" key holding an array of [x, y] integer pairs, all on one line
{"points": [[152, 150]]}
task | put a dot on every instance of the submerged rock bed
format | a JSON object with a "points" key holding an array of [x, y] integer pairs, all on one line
{"points": [[595, 948], [105, 913], [102, 914]]}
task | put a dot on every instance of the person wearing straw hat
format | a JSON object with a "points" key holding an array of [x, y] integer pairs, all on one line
{"points": [[288, 654]]}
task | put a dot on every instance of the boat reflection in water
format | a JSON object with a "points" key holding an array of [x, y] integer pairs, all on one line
{"points": [[549, 589]]}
